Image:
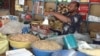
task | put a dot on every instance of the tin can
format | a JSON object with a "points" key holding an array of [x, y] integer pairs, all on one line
{"points": [[45, 29], [34, 26]]}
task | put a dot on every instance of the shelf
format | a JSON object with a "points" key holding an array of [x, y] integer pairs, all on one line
{"points": [[63, 2], [44, 1], [84, 2], [92, 22], [50, 1], [94, 2]]}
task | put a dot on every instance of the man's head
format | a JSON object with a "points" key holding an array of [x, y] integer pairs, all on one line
{"points": [[73, 6]]}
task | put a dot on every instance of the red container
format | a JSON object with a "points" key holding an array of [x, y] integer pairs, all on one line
{"points": [[84, 7], [84, 15], [83, 10], [94, 0], [1, 24]]}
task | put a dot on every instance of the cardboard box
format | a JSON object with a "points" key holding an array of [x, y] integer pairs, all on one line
{"points": [[94, 27], [30, 4], [95, 10], [83, 27], [49, 5], [93, 34]]}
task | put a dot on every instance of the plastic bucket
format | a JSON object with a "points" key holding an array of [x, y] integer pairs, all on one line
{"points": [[17, 44], [39, 52], [68, 53]]}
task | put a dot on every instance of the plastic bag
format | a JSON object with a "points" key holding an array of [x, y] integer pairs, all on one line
{"points": [[58, 39], [83, 45], [12, 27], [83, 37], [68, 53], [19, 52], [4, 46], [78, 36]]}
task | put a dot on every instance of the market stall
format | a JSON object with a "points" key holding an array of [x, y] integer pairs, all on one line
{"points": [[31, 33]]}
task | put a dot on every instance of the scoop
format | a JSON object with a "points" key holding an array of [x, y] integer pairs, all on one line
{"points": [[46, 21]]}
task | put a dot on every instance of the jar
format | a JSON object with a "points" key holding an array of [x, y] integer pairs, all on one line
{"points": [[45, 29], [34, 26]]}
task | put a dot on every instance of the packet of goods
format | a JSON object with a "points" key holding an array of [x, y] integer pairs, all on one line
{"points": [[38, 7], [11, 27], [19, 52], [44, 28]]}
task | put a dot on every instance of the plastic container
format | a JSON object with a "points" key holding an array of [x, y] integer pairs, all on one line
{"points": [[68, 53], [83, 10], [17, 44], [39, 52], [26, 29], [70, 42]]}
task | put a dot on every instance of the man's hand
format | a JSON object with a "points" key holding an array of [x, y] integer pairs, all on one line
{"points": [[46, 13]]}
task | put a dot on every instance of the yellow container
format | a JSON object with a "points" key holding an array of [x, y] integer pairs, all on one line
{"points": [[17, 44], [3, 46]]}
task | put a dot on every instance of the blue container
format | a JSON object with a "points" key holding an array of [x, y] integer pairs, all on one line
{"points": [[11, 17], [38, 52], [67, 52], [26, 28], [70, 42]]}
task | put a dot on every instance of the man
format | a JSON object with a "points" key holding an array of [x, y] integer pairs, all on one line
{"points": [[71, 19]]}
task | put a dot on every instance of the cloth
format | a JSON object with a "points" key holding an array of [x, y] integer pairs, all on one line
{"points": [[74, 25]]}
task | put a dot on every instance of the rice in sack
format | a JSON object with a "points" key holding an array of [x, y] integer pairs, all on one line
{"points": [[46, 45]]}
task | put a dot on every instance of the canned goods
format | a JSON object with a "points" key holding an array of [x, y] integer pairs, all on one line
{"points": [[34, 26], [45, 29]]}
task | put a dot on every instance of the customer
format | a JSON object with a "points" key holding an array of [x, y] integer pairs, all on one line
{"points": [[71, 19]]}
